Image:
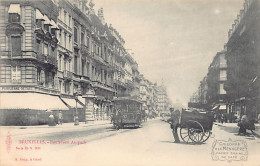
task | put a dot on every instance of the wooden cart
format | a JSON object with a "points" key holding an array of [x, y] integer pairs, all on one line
{"points": [[195, 126]]}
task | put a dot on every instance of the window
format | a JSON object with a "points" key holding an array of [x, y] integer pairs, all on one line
{"points": [[59, 60], [39, 76], [65, 64], [69, 20], [45, 49], [53, 80], [14, 18], [67, 87], [83, 68], [82, 38], [60, 86], [88, 41], [5, 74], [38, 46], [14, 13], [16, 74], [65, 40], [75, 64], [65, 17], [16, 45], [69, 47], [75, 35], [221, 89]]}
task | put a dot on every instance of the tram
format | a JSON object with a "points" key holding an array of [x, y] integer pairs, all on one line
{"points": [[127, 112]]}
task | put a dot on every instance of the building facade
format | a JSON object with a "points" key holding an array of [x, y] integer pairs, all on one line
{"points": [[64, 57], [243, 48]]}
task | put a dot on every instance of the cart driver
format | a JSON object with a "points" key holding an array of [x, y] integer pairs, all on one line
{"points": [[174, 121]]}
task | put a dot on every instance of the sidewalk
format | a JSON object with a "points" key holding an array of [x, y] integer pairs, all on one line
{"points": [[43, 129], [233, 128]]}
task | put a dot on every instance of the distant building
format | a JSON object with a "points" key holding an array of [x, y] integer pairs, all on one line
{"points": [[163, 101], [216, 77]]}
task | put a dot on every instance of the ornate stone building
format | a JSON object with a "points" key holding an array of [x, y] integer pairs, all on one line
{"points": [[62, 56]]}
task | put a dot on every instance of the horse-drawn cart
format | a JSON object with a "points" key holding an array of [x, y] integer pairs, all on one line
{"points": [[195, 126]]}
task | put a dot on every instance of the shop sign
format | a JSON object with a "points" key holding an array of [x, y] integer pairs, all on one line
{"points": [[16, 88]]}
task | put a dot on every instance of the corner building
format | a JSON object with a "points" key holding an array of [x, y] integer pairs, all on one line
{"points": [[61, 56]]}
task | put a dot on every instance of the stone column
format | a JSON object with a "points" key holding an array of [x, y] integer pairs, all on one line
{"points": [[89, 102]]}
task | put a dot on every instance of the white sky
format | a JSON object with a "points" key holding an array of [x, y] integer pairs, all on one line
{"points": [[173, 39]]}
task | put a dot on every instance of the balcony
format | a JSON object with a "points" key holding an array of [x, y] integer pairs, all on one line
{"points": [[130, 83], [84, 50], [119, 82], [67, 74], [101, 85], [47, 59], [85, 79]]}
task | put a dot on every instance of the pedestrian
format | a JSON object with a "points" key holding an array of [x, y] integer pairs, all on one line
{"points": [[60, 118], [243, 123], [174, 121], [222, 118], [258, 118], [52, 120]]}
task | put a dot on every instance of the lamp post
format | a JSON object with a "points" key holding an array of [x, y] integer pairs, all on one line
{"points": [[76, 111]]}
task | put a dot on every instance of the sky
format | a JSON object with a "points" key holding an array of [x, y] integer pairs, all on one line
{"points": [[172, 40]]}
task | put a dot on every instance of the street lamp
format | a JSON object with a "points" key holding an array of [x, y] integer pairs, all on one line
{"points": [[76, 122]]}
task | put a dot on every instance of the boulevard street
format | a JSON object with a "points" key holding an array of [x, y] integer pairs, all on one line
{"points": [[151, 144]]}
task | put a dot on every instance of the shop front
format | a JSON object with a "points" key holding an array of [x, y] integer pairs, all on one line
{"points": [[29, 108]]}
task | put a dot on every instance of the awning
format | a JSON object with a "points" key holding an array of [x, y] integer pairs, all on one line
{"points": [[47, 20], [15, 8], [223, 107], [39, 15], [34, 101], [71, 103], [81, 100], [54, 25]]}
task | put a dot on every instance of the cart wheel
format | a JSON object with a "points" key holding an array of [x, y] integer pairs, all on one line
{"points": [[192, 132], [184, 133], [206, 136]]}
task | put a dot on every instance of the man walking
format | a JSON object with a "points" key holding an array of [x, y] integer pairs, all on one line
{"points": [[174, 121]]}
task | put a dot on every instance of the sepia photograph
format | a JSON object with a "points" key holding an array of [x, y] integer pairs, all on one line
{"points": [[130, 82]]}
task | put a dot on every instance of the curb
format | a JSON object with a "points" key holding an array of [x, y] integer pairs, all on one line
{"points": [[254, 133]]}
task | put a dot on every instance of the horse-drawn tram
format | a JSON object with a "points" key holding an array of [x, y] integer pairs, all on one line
{"points": [[127, 112], [195, 126]]}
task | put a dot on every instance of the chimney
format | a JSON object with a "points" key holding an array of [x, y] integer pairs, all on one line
{"points": [[101, 15]]}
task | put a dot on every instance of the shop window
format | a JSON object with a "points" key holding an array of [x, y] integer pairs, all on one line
{"points": [[16, 45], [53, 80], [16, 74], [47, 79], [39, 77]]}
